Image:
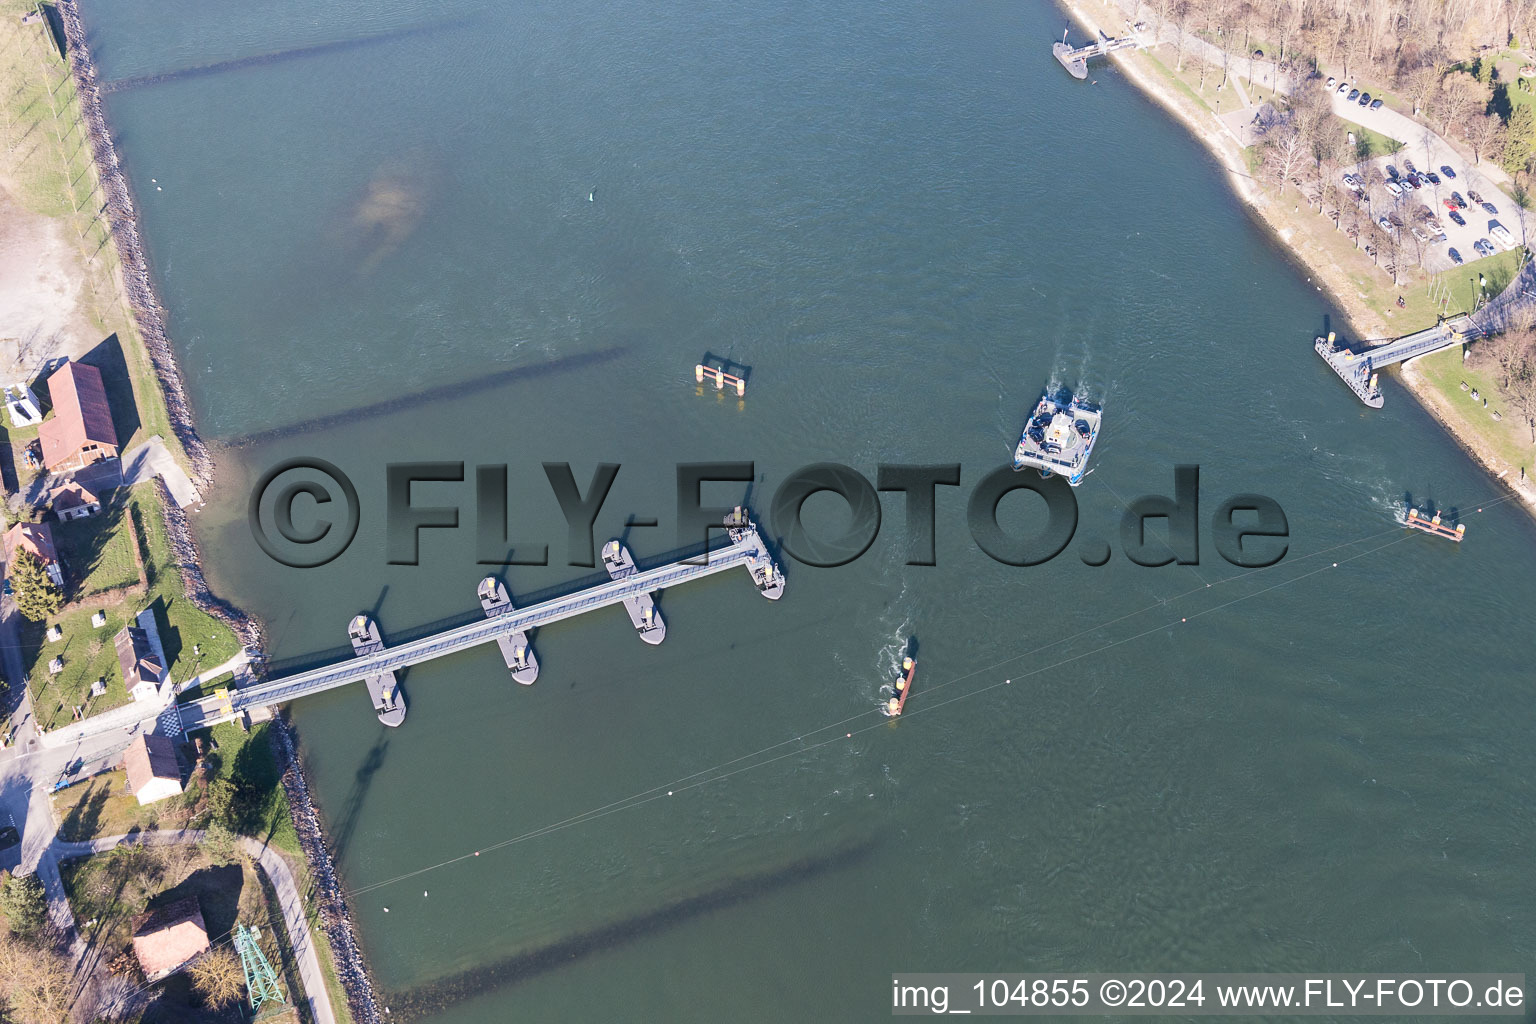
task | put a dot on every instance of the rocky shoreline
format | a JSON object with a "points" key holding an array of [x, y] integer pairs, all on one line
{"points": [[328, 895], [149, 317]]}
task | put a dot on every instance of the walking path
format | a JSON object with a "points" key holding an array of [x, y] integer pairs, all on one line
{"points": [[291, 903], [137, 713], [152, 459]]}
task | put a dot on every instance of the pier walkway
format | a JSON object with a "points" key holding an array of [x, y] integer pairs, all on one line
{"points": [[1075, 60], [1359, 369], [746, 549]]}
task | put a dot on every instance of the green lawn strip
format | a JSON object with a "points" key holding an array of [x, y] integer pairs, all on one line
{"points": [[1372, 144], [98, 551], [88, 652], [248, 756], [1169, 74], [1498, 269], [1508, 438]]}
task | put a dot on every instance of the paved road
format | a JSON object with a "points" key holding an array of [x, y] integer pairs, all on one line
{"points": [[300, 939]]}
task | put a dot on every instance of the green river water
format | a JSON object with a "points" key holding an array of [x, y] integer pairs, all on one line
{"points": [[907, 220]]}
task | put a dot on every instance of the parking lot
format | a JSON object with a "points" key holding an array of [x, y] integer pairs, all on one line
{"points": [[1409, 207], [1431, 154]]}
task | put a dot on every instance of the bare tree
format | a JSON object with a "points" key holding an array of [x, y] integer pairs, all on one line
{"points": [[217, 974], [1485, 134], [39, 978]]}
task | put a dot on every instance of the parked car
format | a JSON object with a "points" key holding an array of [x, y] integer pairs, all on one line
{"points": [[1458, 218], [1455, 257], [1420, 233], [1434, 179], [1392, 172], [1353, 93], [1365, 99], [1413, 182], [1474, 196], [1332, 81], [1483, 247], [1376, 104], [1445, 169], [1408, 166], [1492, 210], [1394, 188], [1343, 88], [1450, 204], [1382, 222], [1456, 196]]}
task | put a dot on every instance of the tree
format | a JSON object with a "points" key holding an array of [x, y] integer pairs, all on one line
{"points": [[1519, 138], [39, 978], [1522, 390], [36, 595], [1461, 96], [24, 903], [1485, 134], [221, 845], [217, 974]]}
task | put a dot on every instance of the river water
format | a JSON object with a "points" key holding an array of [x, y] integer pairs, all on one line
{"points": [[504, 234]]}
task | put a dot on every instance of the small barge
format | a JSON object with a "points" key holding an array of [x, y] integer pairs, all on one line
{"points": [[901, 688], [1432, 524], [1059, 437]]}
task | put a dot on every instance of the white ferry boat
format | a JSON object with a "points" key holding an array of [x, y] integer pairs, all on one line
{"points": [[1059, 437]]}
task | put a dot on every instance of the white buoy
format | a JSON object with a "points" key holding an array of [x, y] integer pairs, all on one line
{"points": [[159, 189], [591, 197], [386, 910]]}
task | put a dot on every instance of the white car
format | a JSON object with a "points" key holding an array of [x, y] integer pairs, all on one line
{"points": [[1385, 225], [1394, 188], [1343, 89], [1501, 235], [1331, 81]]}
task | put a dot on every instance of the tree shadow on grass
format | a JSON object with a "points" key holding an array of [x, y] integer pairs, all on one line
{"points": [[218, 895], [85, 816]]}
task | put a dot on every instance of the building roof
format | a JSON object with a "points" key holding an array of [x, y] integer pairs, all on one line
{"points": [[148, 758], [73, 494], [169, 936], [35, 538], [137, 658], [81, 415]]}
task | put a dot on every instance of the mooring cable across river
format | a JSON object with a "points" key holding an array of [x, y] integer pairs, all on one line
{"points": [[757, 758]]}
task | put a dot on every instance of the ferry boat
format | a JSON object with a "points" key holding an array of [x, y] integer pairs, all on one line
{"points": [[901, 688], [1418, 521], [1059, 437]]}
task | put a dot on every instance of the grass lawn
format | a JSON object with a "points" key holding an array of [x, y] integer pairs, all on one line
{"points": [[1498, 269], [101, 806], [99, 551], [1369, 144], [248, 756], [1509, 438], [87, 651]]}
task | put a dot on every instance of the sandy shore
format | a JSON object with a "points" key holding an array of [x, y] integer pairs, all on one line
{"points": [[1322, 270]]}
